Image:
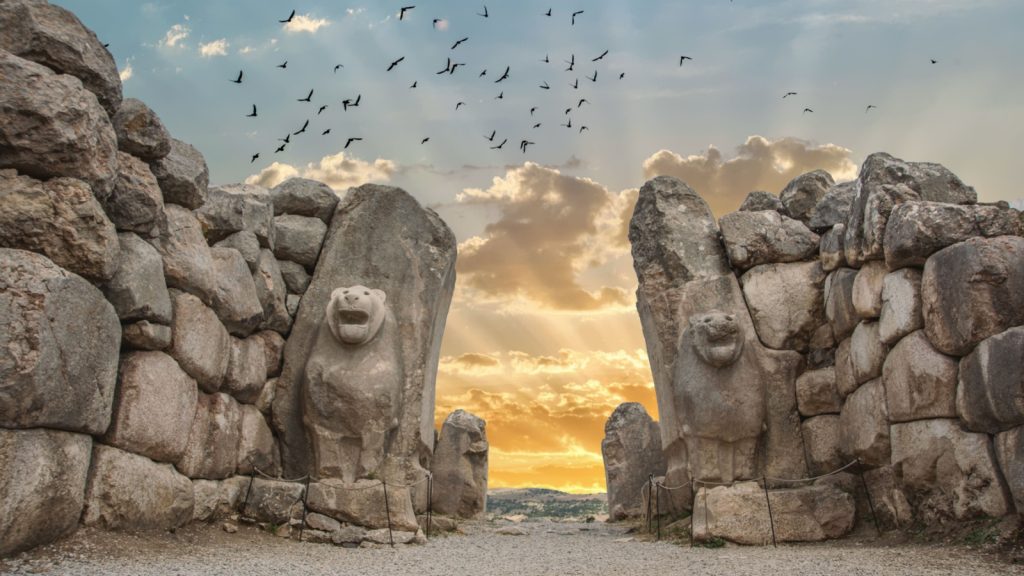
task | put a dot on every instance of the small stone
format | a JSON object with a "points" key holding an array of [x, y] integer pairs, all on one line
{"points": [[292, 303], [230, 527], [295, 276], [831, 248], [839, 309], [846, 383], [145, 335], [867, 290], [265, 402], [183, 175], [760, 200], [140, 131], [273, 351], [299, 239], [136, 203], [256, 446]]}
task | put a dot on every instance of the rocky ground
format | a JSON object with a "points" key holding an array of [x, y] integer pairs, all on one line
{"points": [[489, 548]]}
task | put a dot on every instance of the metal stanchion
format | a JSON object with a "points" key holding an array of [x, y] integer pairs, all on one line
{"points": [[771, 519], [657, 504], [387, 510], [430, 501], [871, 504], [650, 492], [693, 509], [252, 478]]}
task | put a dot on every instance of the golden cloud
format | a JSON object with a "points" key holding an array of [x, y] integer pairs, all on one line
{"points": [[338, 171]]}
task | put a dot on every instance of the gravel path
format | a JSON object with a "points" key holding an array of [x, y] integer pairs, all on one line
{"points": [[548, 548]]}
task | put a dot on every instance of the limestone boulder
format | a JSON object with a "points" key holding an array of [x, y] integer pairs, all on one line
{"points": [[948, 473], [136, 203], [632, 452], [890, 504], [140, 131], [901, 305], [61, 219], [867, 289], [51, 126], [296, 279], [304, 197], [786, 303], [42, 486], [1009, 448], [273, 351], [740, 514], [864, 426], [201, 344], [804, 193], [846, 383], [156, 402], [265, 402], [114, 501], [233, 208], [867, 353], [272, 501], [831, 248], [247, 369], [211, 452], [460, 466], [137, 290], [973, 290], [383, 239], [299, 239], [54, 37], [783, 442], [990, 397], [183, 175], [362, 503], [216, 499], [247, 245], [271, 293], [235, 299], [920, 382], [256, 446], [822, 444], [188, 263], [839, 309], [761, 200], [834, 207], [59, 343], [145, 335], [766, 237], [916, 230], [816, 392]]}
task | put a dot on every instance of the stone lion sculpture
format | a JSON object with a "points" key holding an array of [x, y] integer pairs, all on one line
{"points": [[353, 385], [720, 398]]}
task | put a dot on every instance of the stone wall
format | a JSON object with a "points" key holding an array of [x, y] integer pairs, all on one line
{"points": [[887, 320], [144, 315]]}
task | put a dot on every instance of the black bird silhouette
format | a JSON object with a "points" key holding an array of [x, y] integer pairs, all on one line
{"points": [[532, 110], [622, 75], [253, 115], [436, 20], [454, 66], [548, 13], [414, 84], [524, 144], [504, 75], [485, 12], [567, 110], [603, 54], [301, 130], [546, 60], [403, 10], [571, 62], [447, 67], [537, 125], [594, 79], [254, 157], [322, 108], [457, 104], [351, 140], [308, 98], [107, 45], [358, 98], [500, 95], [289, 19], [545, 86], [582, 128], [682, 58], [806, 110], [395, 63], [336, 66], [239, 79], [788, 94], [347, 102], [482, 73], [498, 147], [491, 137], [582, 100], [425, 140], [325, 132], [280, 148], [457, 42], [934, 61], [567, 124], [575, 84], [286, 139], [574, 15], [283, 64], [870, 106]]}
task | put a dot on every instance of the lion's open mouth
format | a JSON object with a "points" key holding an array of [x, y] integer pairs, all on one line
{"points": [[354, 317]]}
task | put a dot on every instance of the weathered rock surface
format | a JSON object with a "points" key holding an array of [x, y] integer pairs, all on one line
{"points": [[137, 290], [235, 299], [867, 353], [460, 466], [380, 237], [920, 382], [822, 444], [990, 397], [834, 207], [51, 126], [43, 486], [299, 239], [785, 303], [247, 245], [145, 335], [803, 194], [272, 500], [247, 369], [113, 499], [632, 452], [740, 514], [201, 345], [901, 305], [136, 203], [140, 131], [59, 343], [831, 248], [273, 351], [766, 237], [1009, 447], [973, 290], [839, 302], [916, 230], [362, 503], [296, 279], [61, 219], [271, 293], [154, 409], [816, 392], [54, 37], [846, 383], [265, 402], [233, 208], [212, 449], [215, 499], [948, 473], [760, 200], [188, 263], [867, 289], [183, 175], [256, 446], [304, 197], [887, 497], [864, 426], [783, 442], [292, 302]]}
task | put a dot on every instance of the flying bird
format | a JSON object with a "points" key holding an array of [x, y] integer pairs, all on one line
{"points": [[504, 75], [287, 138], [289, 19], [594, 79], [395, 63], [788, 94], [322, 108], [447, 67], [545, 86], [575, 84], [457, 104], [603, 54], [254, 157], [571, 62], [482, 73], [283, 64], [582, 100], [537, 125], [532, 110], [622, 75], [683, 58], [934, 61], [500, 95], [574, 15], [567, 110], [582, 128], [336, 66], [457, 42], [870, 106], [425, 140], [308, 98], [239, 79], [485, 12], [414, 84], [403, 10], [351, 140], [546, 60], [280, 148], [806, 110], [253, 114], [301, 130], [436, 20], [524, 144], [548, 13], [454, 66], [567, 124], [498, 147], [325, 132], [491, 137]]}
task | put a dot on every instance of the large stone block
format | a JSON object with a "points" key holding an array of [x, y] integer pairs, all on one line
{"points": [[136, 203], [916, 230], [51, 126], [233, 208], [783, 442], [920, 382], [460, 466], [201, 344], [846, 383], [785, 303], [888, 500], [839, 302], [766, 237], [137, 290], [212, 449], [247, 245], [1009, 447], [59, 343], [834, 208], [140, 131], [145, 335], [115, 498], [272, 293], [188, 263], [867, 289], [273, 351], [216, 499], [299, 239], [990, 397], [235, 299], [156, 403], [272, 501], [247, 369], [864, 426], [831, 248], [867, 353], [804, 193], [901, 305], [822, 444], [816, 392], [183, 175], [256, 446], [973, 290], [304, 197], [632, 452], [61, 219], [42, 486], [362, 503]]}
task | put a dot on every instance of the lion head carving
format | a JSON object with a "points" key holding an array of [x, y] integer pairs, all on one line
{"points": [[717, 338], [356, 314]]}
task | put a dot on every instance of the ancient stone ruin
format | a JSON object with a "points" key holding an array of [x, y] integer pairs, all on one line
{"points": [[874, 328], [632, 453]]}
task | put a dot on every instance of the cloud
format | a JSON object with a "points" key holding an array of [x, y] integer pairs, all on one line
{"points": [[215, 48], [552, 227], [306, 23], [471, 363], [442, 24], [246, 50], [127, 72], [337, 171], [759, 164], [176, 36]]}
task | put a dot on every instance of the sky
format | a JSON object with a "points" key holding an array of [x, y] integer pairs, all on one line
{"points": [[543, 340]]}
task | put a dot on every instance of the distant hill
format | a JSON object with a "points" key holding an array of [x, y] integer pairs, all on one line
{"points": [[546, 503]]}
